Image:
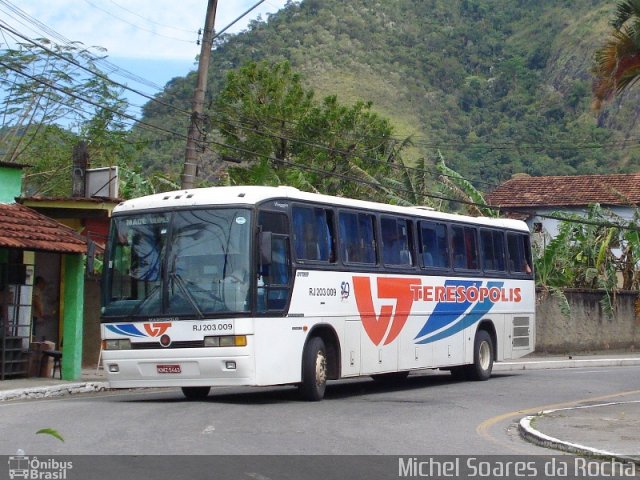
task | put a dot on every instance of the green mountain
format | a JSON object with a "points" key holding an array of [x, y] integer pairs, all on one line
{"points": [[497, 86]]}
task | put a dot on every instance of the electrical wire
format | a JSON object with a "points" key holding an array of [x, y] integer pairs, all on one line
{"points": [[39, 27], [93, 72], [151, 21], [376, 185], [347, 153], [91, 102], [153, 32]]}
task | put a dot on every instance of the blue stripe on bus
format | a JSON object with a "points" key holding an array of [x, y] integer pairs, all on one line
{"points": [[477, 312], [126, 329]]}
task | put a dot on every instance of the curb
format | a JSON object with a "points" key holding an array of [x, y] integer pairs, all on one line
{"points": [[569, 363], [90, 387], [536, 437], [52, 391]]}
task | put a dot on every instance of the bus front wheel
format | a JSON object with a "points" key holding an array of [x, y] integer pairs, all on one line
{"points": [[314, 370], [482, 357], [196, 393]]}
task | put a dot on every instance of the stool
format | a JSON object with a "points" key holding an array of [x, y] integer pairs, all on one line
{"points": [[57, 358]]}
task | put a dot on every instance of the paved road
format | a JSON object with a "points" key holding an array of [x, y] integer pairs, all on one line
{"points": [[429, 414]]}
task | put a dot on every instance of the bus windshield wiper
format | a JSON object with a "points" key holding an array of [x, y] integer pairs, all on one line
{"points": [[178, 279], [144, 301]]}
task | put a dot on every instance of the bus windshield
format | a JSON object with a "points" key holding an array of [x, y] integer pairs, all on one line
{"points": [[186, 263]]}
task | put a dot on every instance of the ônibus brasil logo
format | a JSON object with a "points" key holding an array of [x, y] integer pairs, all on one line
{"points": [[155, 329], [459, 304]]}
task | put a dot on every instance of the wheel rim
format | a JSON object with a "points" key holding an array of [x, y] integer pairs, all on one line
{"points": [[484, 356], [321, 369]]}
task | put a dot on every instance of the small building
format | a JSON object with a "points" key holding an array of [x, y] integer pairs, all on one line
{"points": [[88, 212], [24, 235], [89, 217], [537, 199]]}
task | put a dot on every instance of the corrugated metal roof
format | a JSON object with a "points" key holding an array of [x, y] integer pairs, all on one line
{"points": [[26, 229], [560, 191], [71, 200]]}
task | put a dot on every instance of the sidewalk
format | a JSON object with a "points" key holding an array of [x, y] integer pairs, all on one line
{"points": [[609, 430], [91, 380]]}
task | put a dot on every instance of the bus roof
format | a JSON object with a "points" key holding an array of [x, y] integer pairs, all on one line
{"points": [[253, 195]]}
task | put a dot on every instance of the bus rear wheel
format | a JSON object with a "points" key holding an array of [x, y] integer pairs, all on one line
{"points": [[196, 393], [314, 370], [482, 357]]}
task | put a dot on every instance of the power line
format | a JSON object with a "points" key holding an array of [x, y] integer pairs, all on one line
{"points": [[93, 72], [151, 21], [153, 32], [237, 19], [321, 171], [347, 153], [496, 146], [91, 102], [37, 26]]}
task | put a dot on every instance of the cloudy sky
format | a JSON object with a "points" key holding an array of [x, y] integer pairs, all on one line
{"points": [[155, 39]]}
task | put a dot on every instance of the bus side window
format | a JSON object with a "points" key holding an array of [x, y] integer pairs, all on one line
{"points": [[519, 250], [465, 250], [396, 245], [433, 245], [278, 275], [457, 245], [274, 279], [357, 237], [492, 250], [313, 234]]}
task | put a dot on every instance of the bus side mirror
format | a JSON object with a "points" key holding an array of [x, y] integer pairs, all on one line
{"points": [[264, 244]]}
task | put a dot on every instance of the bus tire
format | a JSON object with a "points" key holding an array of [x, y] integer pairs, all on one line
{"points": [[196, 393], [459, 373], [314, 370], [482, 357]]}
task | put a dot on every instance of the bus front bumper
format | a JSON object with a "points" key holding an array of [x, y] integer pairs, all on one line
{"points": [[178, 368]]}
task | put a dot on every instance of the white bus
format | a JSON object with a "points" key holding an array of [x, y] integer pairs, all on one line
{"points": [[257, 286]]}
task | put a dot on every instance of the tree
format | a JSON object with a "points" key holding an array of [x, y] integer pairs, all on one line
{"points": [[270, 123], [350, 149], [617, 62], [256, 114], [53, 97], [581, 255], [456, 186]]}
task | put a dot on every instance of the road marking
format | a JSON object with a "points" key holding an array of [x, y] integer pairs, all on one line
{"points": [[483, 428]]}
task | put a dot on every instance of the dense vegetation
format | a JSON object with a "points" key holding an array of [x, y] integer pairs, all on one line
{"points": [[497, 86], [365, 98]]}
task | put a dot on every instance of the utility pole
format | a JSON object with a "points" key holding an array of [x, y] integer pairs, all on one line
{"points": [[194, 136]]}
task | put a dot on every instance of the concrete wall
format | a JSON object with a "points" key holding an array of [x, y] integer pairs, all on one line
{"points": [[588, 328]]}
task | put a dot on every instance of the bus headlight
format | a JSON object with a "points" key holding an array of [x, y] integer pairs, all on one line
{"points": [[120, 344], [226, 341], [211, 341]]}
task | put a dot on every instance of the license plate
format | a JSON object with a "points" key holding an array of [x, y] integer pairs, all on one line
{"points": [[169, 369]]}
